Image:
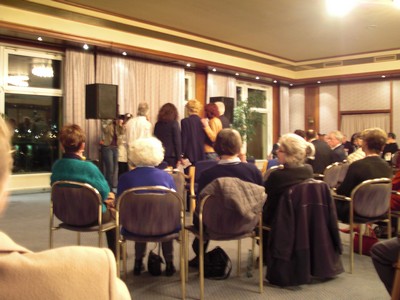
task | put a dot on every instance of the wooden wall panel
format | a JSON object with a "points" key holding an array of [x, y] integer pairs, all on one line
{"points": [[311, 110]]}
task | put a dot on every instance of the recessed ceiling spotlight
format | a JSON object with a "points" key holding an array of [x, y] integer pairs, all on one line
{"points": [[318, 81], [124, 53], [275, 81], [86, 47], [291, 84], [383, 76], [39, 39], [340, 8], [214, 70], [396, 3], [188, 65], [237, 74], [257, 77]]}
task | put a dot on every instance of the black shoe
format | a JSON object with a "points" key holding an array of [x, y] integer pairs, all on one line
{"points": [[170, 269], [194, 262], [138, 267]]}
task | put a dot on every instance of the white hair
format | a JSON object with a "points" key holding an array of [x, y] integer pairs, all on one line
{"points": [[146, 152], [221, 107], [295, 148]]}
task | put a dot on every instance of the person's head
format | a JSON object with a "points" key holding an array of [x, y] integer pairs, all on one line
{"points": [[146, 152], [374, 139], [391, 136], [221, 107], [211, 110], [167, 112], [228, 142], [143, 109], [334, 138], [72, 138], [292, 150], [5, 162], [311, 134], [300, 132], [356, 139], [193, 107], [127, 117]]}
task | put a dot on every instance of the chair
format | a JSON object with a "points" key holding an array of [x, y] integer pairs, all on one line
{"points": [[194, 175], [304, 240], [396, 284], [150, 214], [79, 208], [270, 170], [331, 174], [230, 209], [369, 202]]}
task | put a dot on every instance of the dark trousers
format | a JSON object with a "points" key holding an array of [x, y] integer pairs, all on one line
{"points": [[384, 257], [110, 234]]}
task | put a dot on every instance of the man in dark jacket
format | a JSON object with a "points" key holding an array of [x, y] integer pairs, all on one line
{"points": [[323, 153]]}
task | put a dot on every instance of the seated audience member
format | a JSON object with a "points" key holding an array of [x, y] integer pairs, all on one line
{"points": [[221, 109], [390, 148], [359, 153], [145, 154], [347, 145], [395, 199], [227, 146], [72, 166], [384, 256], [57, 273], [291, 154], [334, 140], [370, 167], [323, 154]]}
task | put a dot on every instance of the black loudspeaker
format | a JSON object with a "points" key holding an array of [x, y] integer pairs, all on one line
{"points": [[101, 101], [229, 104]]}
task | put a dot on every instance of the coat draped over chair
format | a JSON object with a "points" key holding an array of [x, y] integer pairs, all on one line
{"points": [[304, 240]]}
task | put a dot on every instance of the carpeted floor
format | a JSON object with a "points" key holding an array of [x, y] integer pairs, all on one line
{"points": [[26, 220]]}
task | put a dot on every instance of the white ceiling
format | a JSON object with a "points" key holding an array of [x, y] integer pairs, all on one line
{"points": [[296, 30]]}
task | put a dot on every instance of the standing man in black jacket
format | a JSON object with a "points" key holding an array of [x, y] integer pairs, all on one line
{"points": [[323, 153]]}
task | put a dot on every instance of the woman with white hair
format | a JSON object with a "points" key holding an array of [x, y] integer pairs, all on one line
{"points": [[291, 153], [144, 154]]}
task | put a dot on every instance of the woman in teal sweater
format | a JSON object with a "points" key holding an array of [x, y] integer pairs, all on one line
{"points": [[72, 166]]}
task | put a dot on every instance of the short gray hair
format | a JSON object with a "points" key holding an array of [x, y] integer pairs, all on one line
{"points": [[146, 152], [143, 109], [294, 147]]}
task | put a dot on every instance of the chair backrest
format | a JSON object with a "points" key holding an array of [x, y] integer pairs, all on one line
{"points": [[150, 211], [371, 198], [76, 203], [231, 206], [343, 171], [270, 170], [332, 173], [180, 182]]}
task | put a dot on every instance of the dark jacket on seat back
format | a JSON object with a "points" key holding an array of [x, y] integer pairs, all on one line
{"points": [[304, 240]]}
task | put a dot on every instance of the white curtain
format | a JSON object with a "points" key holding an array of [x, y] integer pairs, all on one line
{"points": [[218, 85], [358, 122], [79, 71], [140, 81], [137, 81]]}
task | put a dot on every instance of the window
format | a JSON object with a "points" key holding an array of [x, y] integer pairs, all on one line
{"points": [[32, 106], [261, 144]]}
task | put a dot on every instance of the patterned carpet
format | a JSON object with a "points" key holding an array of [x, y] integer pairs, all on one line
{"points": [[26, 220]]}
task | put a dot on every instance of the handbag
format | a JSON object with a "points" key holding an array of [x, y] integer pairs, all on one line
{"points": [[367, 241], [217, 264], [154, 262]]}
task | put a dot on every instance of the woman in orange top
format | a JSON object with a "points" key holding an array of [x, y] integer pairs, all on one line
{"points": [[212, 125]]}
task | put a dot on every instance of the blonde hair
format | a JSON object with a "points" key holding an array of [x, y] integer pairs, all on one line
{"points": [[194, 107], [146, 152]]}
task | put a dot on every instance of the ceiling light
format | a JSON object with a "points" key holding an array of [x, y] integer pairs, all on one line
{"points": [[383, 76], [237, 74], [214, 70], [396, 3], [291, 84], [340, 8], [188, 65], [318, 82], [257, 77], [124, 53], [275, 81], [86, 47], [39, 39]]}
